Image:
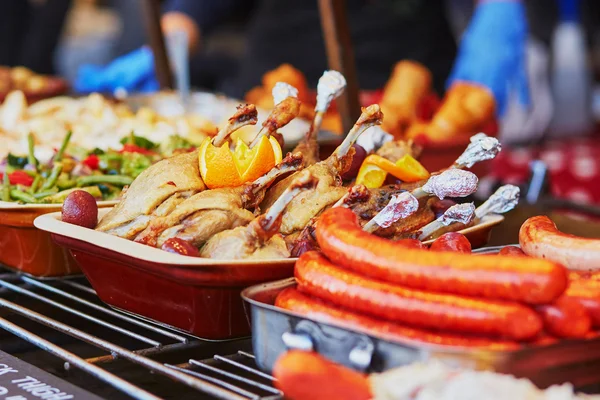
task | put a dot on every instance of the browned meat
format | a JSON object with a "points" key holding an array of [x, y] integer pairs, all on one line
{"points": [[260, 239]]}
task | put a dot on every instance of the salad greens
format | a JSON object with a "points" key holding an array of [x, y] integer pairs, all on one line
{"points": [[101, 173]]}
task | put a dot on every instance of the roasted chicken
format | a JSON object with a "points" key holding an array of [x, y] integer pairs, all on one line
{"points": [[260, 239], [329, 189], [211, 211], [160, 188]]}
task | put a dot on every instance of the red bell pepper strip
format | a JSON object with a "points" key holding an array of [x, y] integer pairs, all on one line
{"points": [[132, 148], [92, 161], [19, 178]]}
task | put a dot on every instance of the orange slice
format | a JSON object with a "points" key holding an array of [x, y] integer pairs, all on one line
{"points": [[371, 176], [253, 163], [217, 166], [221, 167]]}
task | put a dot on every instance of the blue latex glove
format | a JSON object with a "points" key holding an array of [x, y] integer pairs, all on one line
{"points": [[133, 72], [492, 51]]}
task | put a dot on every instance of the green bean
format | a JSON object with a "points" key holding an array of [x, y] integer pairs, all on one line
{"points": [[31, 160], [22, 196], [120, 180], [56, 170], [61, 196], [63, 147], [64, 184], [47, 193], [5, 187], [35, 185]]}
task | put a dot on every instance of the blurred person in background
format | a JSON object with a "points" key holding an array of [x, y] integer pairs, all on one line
{"points": [[30, 31], [383, 32]]}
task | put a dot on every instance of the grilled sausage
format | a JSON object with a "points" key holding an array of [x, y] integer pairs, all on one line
{"points": [[565, 318], [411, 244], [308, 376], [318, 277], [540, 238], [452, 241], [342, 240], [511, 251], [587, 293], [291, 299]]}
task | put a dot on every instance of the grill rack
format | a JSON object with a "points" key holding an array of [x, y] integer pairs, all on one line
{"points": [[26, 302]]}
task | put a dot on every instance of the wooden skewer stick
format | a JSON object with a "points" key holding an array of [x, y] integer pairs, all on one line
{"points": [[340, 55]]}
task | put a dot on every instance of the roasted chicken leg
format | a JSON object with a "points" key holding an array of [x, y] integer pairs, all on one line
{"points": [[329, 189], [260, 239], [212, 211], [160, 188]]}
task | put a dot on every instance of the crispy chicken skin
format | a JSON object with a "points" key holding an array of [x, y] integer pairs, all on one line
{"points": [[229, 207], [260, 239]]}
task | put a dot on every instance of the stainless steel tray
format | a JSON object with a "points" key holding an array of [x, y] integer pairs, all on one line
{"points": [[275, 330]]}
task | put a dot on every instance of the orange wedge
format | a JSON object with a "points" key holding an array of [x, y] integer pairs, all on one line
{"points": [[222, 167], [374, 170], [217, 166], [253, 163]]}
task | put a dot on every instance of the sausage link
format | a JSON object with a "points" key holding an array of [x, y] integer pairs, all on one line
{"points": [[511, 251], [452, 241], [587, 293], [540, 238], [302, 376], [533, 281], [544, 339], [565, 318], [411, 244], [318, 277], [291, 299]]}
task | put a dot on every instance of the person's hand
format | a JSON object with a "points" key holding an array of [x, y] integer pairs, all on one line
{"points": [[133, 72], [492, 51]]}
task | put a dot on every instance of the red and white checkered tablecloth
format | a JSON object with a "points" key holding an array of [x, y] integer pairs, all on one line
{"points": [[574, 168]]}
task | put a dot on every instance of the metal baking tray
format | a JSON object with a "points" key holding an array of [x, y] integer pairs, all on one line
{"points": [[274, 331]]}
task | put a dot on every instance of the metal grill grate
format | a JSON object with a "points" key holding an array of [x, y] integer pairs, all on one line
{"points": [[63, 328]]}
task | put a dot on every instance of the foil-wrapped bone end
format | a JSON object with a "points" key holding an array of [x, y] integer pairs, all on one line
{"points": [[330, 86], [451, 183], [504, 199], [481, 148], [462, 213], [399, 207], [282, 91]]}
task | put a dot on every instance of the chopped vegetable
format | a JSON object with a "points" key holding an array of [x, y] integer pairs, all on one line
{"points": [[63, 147], [35, 184], [5, 188], [22, 196], [16, 161], [175, 142], [120, 180], [60, 196], [65, 182], [47, 193], [132, 148], [134, 164], [138, 141], [56, 170], [31, 160], [19, 177], [92, 161]]}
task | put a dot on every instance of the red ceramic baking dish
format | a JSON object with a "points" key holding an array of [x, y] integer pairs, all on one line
{"points": [[29, 250], [196, 295]]}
